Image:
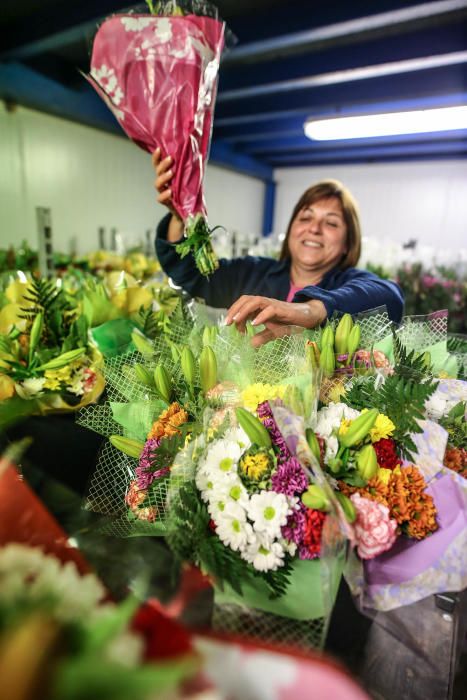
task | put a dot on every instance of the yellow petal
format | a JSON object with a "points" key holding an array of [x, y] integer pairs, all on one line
{"points": [[16, 291], [7, 387], [10, 316]]}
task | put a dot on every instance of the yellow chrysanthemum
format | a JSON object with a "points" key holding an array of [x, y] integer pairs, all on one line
{"points": [[383, 475], [254, 394], [383, 428], [255, 466]]}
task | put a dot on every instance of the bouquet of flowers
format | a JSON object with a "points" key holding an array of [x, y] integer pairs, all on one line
{"points": [[379, 450], [158, 74], [46, 361], [214, 474]]}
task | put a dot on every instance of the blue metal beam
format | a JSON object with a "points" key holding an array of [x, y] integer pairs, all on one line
{"points": [[268, 208], [223, 155], [52, 28], [375, 153], [24, 86], [302, 143], [381, 70], [418, 85], [362, 27], [388, 49]]}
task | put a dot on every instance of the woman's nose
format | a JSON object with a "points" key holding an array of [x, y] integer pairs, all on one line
{"points": [[315, 226]]}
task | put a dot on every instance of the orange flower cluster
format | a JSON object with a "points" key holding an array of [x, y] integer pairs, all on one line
{"points": [[168, 422], [408, 503], [405, 496], [456, 459]]}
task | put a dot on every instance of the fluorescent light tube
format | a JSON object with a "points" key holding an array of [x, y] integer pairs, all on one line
{"points": [[390, 124]]}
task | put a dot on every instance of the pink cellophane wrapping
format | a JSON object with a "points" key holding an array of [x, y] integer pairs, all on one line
{"points": [[158, 75]]}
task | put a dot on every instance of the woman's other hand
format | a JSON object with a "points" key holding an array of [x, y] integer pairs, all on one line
{"points": [[164, 174], [276, 315]]}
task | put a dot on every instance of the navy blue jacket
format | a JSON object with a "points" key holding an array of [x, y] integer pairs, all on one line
{"points": [[348, 290]]}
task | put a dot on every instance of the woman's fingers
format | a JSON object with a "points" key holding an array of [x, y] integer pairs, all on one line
{"points": [[267, 314], [165, 197], [271, 332], [244, 307]]}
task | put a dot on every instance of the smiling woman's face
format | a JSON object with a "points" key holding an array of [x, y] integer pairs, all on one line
{"points": [[318, 235]]}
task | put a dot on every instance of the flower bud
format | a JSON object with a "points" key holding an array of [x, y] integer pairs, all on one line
{"points": [[143, 375], [207, 368], [163, 382], [347, 506], [342, 334], [354, 340], [315, 498], [188, 365], [327, 337], [313, 444], [367, 462], [327, 360]]}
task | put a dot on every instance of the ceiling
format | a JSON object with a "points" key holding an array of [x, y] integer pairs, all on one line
{"points": [[292, 60]]}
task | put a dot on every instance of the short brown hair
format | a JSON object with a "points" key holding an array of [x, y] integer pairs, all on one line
{"points": [[324, 190]]}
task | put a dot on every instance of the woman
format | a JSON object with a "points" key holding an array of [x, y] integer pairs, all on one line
{"points": [[314, 276]]}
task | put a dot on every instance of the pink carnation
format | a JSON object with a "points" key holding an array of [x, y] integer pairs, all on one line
{"points": [[375, 532]]}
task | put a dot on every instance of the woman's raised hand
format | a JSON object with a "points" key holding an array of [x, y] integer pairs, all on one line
{"points": [[276, 315], [164, 174]]}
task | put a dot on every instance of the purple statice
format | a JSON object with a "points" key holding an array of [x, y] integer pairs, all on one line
{"points": [[144, 475], [289, 478], [265, 414], [294, 529]]}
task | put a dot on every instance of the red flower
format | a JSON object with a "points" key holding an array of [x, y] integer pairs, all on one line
{"points": [[164, 637], [314, 521], [386, 454]]}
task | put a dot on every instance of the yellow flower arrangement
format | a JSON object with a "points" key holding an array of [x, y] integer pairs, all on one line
{"points": [[254, 394]]}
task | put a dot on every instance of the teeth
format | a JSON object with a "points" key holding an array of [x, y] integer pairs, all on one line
{"points": [[312, 244]]}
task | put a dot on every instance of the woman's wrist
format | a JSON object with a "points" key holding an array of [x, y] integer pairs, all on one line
{"points": [[175, 229], [317, 313]]}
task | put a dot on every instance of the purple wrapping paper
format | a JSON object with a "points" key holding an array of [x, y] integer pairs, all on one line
{"points": [[408, 558]]}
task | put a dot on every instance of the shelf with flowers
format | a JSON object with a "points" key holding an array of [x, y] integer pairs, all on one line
{"points": [[47, 361]]}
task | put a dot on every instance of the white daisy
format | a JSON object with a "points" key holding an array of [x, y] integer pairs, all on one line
{"points": [[232, 527], [269, 511], [222, 457], [239, 436], [264, 557]]}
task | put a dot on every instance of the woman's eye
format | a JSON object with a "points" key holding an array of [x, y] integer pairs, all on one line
{"points": [[333, 224]]}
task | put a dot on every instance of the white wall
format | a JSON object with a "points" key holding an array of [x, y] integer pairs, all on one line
{"points": [[398, 201], [89, 179]]}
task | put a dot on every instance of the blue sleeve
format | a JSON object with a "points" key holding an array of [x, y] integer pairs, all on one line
{"points": [[232, 279], [355, 291]]}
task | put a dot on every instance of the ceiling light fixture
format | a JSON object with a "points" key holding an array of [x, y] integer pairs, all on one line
{"points": [[389, 124]]}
